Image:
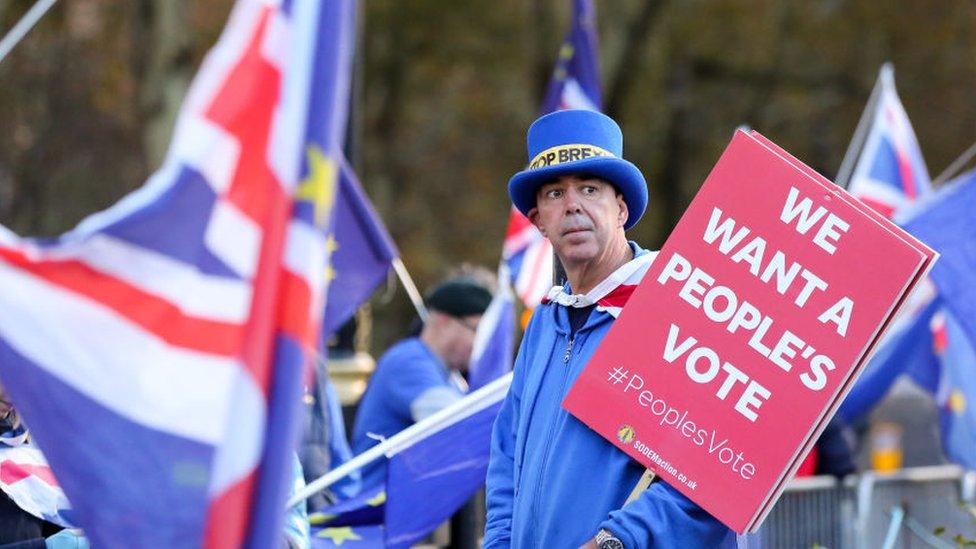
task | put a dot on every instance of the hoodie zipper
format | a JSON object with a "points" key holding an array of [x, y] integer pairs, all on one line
{"points": [[569, 349], [552, 424]]}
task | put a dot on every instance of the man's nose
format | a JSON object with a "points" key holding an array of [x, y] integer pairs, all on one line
{"points": [[573, 203]]}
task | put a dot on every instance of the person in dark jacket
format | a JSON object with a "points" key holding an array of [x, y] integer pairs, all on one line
{"points": [[553, 482]]}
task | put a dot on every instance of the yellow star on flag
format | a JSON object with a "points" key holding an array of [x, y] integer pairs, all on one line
{"points": [[330, 244], [339, 535], [380, 499], [565, 53], [319, 186], [957, 401], [316, 519]]}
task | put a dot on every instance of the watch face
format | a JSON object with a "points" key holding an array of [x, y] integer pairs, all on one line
{"points": [[612, 543]]}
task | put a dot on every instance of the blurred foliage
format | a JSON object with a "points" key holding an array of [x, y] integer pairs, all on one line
{"points": [[446, 90]]}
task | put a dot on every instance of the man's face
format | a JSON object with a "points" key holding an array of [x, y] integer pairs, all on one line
{"points": [[460, 340], [579, 215]]}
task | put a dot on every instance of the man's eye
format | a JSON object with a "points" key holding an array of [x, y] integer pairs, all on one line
{"points": [[589, 190], [554, 193]]}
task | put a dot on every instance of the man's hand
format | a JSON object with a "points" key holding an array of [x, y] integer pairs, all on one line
{"points": [[590, 544]]}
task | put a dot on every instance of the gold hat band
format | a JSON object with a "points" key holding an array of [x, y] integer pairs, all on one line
{"points": [[567, 153]]}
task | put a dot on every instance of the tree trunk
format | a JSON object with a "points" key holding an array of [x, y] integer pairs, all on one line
{"points": [[165, 60]]}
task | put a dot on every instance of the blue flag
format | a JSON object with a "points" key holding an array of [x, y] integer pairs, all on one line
{"points": [[936, 347], [348, 537], [947, 224], [426, 483], [361, 249], [429, 481], [956, 393], [575, 82], [494, 342], [907, 350], [366, 508]]}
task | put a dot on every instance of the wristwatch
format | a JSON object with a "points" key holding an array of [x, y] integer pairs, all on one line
{"points": [[606, 540]]}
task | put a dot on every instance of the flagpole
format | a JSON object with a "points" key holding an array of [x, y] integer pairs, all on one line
{"points": [[860, 133], [410, 287], [466, 407], [23, 26], [956, 165]]}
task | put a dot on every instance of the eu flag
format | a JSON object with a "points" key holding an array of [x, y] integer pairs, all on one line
{"points": [[348, 537], [956, 394], [575, 82], [906, 351], [426, 481], [430, 480], [361, 251], [946, 223]]}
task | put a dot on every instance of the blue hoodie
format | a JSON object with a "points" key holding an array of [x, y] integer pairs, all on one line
{"points": [[553, 482]]}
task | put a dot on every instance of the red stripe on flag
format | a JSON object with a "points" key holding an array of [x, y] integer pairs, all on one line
{"points": [[904, 163], [516, 223], [157, 315], [228, 515], [294, 307], [244, 107], [907, 175], [11, 473], [940, 335]]}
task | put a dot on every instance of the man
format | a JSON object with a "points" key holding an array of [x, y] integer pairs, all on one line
{"points": [[421, 375], [553, 482]]}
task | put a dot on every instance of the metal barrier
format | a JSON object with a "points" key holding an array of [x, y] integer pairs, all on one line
{"points": [[894, 510]]}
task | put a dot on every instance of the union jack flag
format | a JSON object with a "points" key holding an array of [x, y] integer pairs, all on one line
{"points": [[156, 350], [890, 172]]}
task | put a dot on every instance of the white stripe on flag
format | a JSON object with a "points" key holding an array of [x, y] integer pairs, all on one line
{"points": [[879, 191], [575, 98], [305, 252], [207, 148], [492, 317], [234, 237], [243, 439], [194, 293], [535, 275]]}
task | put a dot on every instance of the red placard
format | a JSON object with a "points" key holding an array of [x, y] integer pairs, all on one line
{"points": [[746, 327]]}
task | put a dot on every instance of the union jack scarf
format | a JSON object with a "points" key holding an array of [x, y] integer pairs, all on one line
{"points": [[612, 293], [25, 476]]}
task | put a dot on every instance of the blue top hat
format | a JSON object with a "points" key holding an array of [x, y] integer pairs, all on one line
{"points": [[578, 142]]}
